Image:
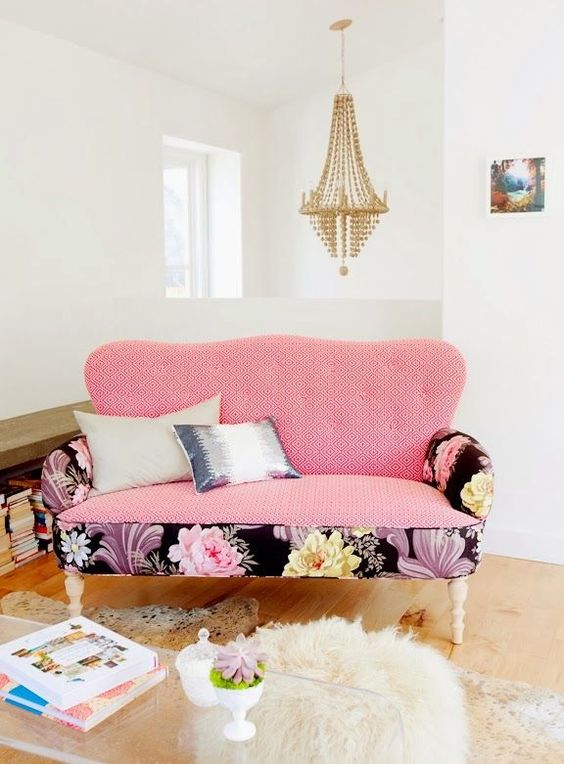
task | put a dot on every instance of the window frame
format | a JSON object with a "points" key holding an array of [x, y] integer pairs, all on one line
{"points": [[196, 165]]}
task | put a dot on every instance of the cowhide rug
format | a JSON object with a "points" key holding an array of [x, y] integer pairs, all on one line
{"points": [[155, 625]]}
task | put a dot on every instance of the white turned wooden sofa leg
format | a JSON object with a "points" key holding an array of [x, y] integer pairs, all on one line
{"points": [[74, 584], [457, 591]]}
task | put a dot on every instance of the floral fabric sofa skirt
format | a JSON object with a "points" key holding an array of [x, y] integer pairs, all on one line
{"points": [[267, 550]]}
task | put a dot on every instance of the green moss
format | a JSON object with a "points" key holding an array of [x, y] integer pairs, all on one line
{"points": [[227, 684]]}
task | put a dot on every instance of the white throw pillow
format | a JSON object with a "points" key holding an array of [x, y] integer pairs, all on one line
{"points": [[128, 452]]}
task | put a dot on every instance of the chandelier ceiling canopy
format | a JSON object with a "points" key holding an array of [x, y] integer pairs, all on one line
{"points": [[343, 208]]}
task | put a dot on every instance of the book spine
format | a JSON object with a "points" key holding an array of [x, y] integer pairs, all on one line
{"points": [[25, 523]]}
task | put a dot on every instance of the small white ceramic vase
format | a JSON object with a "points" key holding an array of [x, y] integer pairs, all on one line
{"points": [[194, 665], [239, 702]]}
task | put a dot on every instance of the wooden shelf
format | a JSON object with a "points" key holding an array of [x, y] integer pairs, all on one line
{"points": [[29, 438]]}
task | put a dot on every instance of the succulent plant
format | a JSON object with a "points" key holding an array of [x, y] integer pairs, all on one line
{"points": [[239, 664]]}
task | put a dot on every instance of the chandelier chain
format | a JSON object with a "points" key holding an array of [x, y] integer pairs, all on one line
{"points": [[343, 59]]}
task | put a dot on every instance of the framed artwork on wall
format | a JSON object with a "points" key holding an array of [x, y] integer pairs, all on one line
{"points": [[517, 186]]}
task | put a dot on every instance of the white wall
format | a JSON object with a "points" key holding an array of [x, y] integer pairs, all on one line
{"points": [[503, 280], [224, 211], [203, 320], [81, 250], [399, 111], [81, 202]]}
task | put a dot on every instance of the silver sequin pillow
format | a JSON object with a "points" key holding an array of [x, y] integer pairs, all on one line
{"points": [[228, 454]]}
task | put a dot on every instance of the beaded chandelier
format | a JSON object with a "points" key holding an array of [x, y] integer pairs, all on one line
{"points": [[343, 208]]}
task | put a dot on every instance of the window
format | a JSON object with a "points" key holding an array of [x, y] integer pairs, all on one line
{"points": [[185, 223], [202, 220]]}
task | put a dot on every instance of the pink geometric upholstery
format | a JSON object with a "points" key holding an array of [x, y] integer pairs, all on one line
{"points": [[341, 407], [315, 500]]}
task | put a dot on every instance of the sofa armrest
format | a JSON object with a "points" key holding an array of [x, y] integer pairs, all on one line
{"points": [[458, 466], [66, 478]]}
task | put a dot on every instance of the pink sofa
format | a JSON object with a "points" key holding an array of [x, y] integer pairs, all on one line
{"points": [[388, 490]]}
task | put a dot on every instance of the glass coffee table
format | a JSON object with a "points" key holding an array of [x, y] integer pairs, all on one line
{"points": [[163, 726]]}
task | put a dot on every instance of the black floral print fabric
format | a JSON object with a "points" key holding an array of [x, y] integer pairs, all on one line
{"points": [[461, 468]]}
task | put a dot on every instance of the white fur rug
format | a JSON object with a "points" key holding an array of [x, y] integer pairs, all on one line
{"points": [[336, 725], [508, 722]]}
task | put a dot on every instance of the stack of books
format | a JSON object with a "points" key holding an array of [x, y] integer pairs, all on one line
{"points": [[6, 562], [76, 672], [21, 521], [43, 525]]}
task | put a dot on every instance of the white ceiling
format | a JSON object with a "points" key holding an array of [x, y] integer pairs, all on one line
{"points": [[262, 51]]}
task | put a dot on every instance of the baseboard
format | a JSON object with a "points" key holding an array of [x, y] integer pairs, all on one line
{"points": [[526, 545]]}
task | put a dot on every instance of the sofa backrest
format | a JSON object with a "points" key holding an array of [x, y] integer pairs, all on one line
{"points": [[341, 407]]}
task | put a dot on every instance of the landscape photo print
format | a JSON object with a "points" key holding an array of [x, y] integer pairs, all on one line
{"points": [[517, 185]]}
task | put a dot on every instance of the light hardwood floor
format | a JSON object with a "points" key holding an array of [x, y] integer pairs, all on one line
{"points": [[514, 610]]}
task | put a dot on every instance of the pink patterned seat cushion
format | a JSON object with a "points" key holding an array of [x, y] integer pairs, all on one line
{"points": [[341, 407], [314, 500]]}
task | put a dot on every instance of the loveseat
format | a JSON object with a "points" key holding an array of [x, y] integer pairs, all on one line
{"points": [[388, 489]]}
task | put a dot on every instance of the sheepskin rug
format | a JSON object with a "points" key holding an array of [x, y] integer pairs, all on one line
{"points": [[316, 723]]}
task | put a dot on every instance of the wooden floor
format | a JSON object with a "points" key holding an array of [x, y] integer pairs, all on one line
{"points": [[514, 620]]}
